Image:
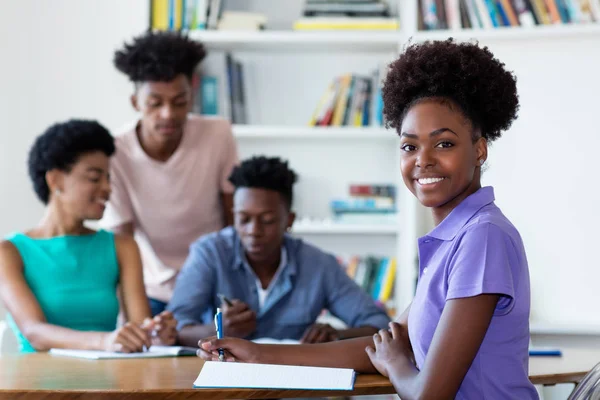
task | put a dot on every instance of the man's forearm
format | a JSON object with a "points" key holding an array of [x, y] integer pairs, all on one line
{"points": [[190, 335], [357, 332]]}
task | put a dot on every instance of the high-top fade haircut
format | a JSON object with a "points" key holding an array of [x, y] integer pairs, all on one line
{"points": [[265, 173], [159, 57]]}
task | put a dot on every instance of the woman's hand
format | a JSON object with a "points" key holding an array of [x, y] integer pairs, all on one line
{"points": [[129, 338], [390, 350], [162, 328], [235, 349]]}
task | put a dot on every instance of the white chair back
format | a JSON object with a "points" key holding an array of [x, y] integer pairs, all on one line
{"points": [[589, 387]]}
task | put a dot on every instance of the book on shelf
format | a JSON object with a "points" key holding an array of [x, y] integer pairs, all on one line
{"points": [[207, 94], [375, 275], [351, 100], [346, 15], [366, 202], [330, 23], [488, 14]]}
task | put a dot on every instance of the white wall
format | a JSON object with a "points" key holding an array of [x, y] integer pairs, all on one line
{"points": [[56, 64], [544, 171]]}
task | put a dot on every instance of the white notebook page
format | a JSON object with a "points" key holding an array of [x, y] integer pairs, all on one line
{"points": [[217, 374], [153, 352]]}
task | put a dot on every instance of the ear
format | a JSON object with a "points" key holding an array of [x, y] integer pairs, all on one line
{"points": [[54, 180], [290, 221], [134, 102], [481, 150]]}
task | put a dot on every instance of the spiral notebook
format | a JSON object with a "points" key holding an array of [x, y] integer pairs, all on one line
{"points": [[215, 374], [153, 352]]}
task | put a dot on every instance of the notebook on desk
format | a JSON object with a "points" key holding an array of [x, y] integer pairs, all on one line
{"points": [[215, 374], [153, 352]]}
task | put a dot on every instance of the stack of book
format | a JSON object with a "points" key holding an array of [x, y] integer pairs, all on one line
{"points": [[346, 15], [488, 14], [366, 203], [351, 100]]}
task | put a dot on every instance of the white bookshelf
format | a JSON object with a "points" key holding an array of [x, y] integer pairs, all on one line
{"points": [[344, 229], [312, 133], [298, 40]]}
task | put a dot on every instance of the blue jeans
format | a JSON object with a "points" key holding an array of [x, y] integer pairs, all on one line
{"points": [[157, 306]]}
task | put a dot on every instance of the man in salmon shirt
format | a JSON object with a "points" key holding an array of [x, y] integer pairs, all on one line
{"points": [[170, 172]]}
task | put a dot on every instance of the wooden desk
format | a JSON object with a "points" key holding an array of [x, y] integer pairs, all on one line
{"points": [[41, 376]]}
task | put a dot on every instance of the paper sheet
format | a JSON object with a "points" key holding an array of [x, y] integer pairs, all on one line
{"points": [[217, 374]]}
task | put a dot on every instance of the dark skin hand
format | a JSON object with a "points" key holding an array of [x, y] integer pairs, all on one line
{"points": [[239, 320], [322, 333]]}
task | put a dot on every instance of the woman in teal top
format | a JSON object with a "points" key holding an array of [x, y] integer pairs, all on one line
{"points": [[60, 281]]}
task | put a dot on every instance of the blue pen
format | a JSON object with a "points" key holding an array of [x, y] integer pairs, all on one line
{"points": [[219, 327]]}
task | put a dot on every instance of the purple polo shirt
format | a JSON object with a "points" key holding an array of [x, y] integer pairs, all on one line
{"points": [[476, 250]]}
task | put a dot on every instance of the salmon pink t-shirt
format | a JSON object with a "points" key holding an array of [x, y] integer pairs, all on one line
{"points": [[171, 203]]}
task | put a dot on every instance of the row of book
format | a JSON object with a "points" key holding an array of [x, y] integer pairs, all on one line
{"points": [[351, 100], [346, 15], [207, 93], [488, 14], [184, 14], [375, 203], [375, 275]]}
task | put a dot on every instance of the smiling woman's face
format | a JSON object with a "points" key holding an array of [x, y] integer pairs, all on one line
{"points": [[440, 162]]}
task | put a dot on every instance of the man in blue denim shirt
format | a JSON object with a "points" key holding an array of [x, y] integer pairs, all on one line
{"points": [[278, 284]]}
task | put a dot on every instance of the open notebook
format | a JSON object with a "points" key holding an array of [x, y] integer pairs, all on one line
{"points": [[153, 352], [215, 374]]}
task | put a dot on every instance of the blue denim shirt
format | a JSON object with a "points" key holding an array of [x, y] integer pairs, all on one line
{"points": [[311, 281]]}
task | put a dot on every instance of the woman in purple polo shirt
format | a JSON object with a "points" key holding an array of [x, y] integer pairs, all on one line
{"points": [[466, 334]]}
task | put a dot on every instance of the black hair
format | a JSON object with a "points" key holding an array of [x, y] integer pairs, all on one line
{"points": [[61, 145], [159, 57], [464, 73], [265, 173]]}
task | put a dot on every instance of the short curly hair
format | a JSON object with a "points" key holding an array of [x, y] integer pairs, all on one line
{"points": [[464, 73], [159, 57], [61, 145], [265, 173]]}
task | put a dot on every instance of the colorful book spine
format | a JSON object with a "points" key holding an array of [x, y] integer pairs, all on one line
{"points": [[209, 93]]}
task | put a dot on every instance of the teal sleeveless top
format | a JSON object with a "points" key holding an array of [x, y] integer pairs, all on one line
{"points": [[74, 279]]}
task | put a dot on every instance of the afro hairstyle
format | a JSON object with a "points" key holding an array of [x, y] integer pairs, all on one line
{"points": [[265, 173], [159, 57], [60, 147], [467, 75]]}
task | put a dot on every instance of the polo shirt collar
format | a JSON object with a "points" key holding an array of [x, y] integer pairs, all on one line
{"points": [[462, 213]]}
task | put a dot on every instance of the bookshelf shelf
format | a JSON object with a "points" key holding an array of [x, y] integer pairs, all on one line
{"points": [[511, 33], [299, 40], [349, 229], [305, 132]]}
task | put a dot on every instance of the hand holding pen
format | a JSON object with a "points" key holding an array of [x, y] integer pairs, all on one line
{"points": [[162, 328], [219, 328], [238, 318]]}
